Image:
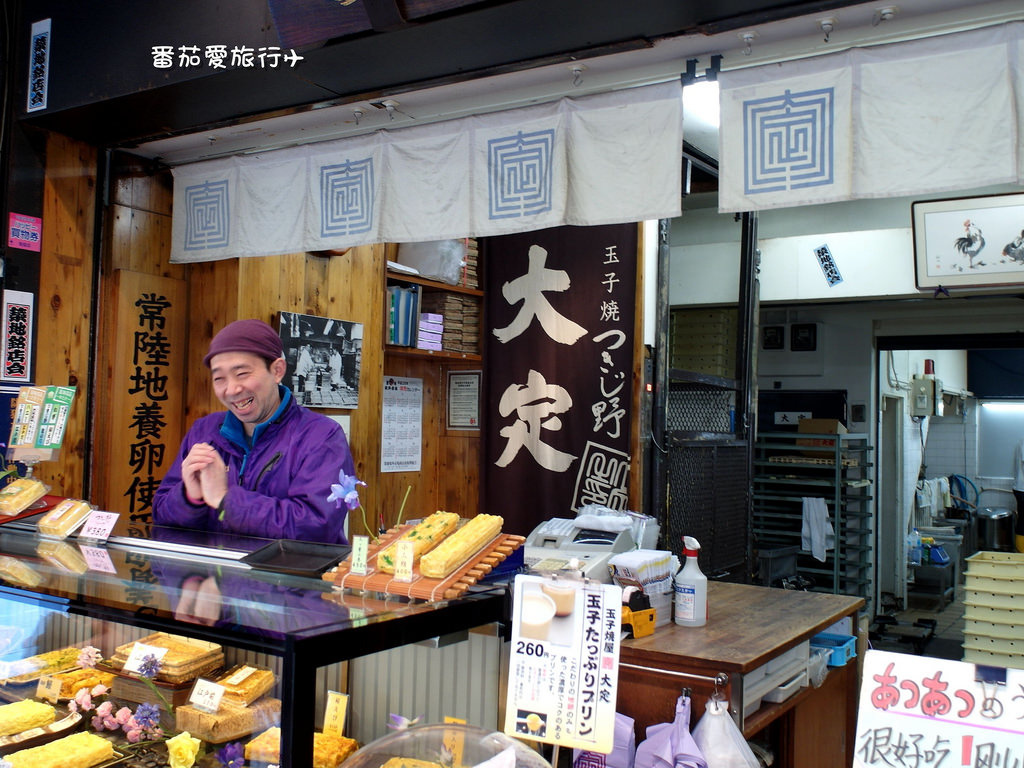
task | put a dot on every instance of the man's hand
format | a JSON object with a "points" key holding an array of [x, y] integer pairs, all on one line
{"points": [[200, 601], [205, 475]]}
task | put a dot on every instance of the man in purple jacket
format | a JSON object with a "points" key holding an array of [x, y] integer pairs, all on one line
{"points": [[265, 466]]}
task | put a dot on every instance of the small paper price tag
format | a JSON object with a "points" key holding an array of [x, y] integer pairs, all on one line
{"points": [[334, 713], [139, 652], [97, 559], [206, 695], [454, 740], [98, 525], [48, 688], [360, 547], [403, 561]]}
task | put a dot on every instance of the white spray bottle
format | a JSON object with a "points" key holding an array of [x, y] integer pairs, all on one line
{"points": [[691, 588]]}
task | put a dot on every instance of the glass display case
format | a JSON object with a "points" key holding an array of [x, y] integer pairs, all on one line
{"points": [[70, 594]]}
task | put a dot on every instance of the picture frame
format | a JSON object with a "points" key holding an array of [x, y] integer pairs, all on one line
{"points": [[969, 242], [773, 337], [803, 337]]}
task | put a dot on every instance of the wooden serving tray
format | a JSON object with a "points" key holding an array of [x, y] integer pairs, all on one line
{"points": [[421, 587]]}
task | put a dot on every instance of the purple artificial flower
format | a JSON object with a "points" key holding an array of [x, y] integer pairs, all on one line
{"points": [[400, 723], [147, 716], [231, 755], [345, 490], [150, 666]]}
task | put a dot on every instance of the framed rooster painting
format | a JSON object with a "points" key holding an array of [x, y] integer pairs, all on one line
{"points": [[970, 241]]}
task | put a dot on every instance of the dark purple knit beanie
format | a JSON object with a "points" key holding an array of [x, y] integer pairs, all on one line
{"points": [[246, 336]]}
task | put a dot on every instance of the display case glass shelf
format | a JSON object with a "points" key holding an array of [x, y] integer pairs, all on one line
{"points": [[114, 593]]}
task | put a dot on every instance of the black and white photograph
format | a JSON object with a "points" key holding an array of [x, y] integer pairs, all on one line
{"points": [[324, 358]]}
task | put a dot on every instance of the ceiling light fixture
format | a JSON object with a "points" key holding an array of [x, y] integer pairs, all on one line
{"points": [[826, 26], [884, 14], [748, 38]]}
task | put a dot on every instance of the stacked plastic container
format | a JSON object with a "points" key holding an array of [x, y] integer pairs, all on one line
{"points": [[994, 609]]}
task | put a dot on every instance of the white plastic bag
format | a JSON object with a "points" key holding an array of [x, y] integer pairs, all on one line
{"points": [[438, 259], [720, 740]]}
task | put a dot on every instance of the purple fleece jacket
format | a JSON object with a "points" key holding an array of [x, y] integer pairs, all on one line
{"points": [[277, 489]]}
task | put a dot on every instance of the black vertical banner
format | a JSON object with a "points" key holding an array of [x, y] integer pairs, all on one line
{"points": [[560, 313]]}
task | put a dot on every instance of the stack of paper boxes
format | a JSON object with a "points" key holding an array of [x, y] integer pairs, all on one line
{"points": [[431, 329]]}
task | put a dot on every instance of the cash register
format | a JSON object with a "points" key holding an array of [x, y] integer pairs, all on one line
{"points": [[557, 542]]}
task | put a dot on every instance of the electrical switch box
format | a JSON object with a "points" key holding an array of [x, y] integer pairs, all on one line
{"points": [[925, 397]]}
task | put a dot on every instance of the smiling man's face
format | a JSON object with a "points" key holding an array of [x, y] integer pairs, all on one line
{"points": [[247, 385]]}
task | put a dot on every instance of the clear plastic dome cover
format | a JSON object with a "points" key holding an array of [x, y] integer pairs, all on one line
{"points": [[433, 744]]}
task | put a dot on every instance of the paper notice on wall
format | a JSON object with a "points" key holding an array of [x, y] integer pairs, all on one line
{"points": [[401, 425]]}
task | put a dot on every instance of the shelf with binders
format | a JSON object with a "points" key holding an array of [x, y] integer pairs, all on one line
{"points": [[427, 318]]}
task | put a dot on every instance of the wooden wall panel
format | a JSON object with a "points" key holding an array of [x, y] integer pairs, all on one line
{"points": [[63, 305], [136, 252], [213, 295], [142, 448]]}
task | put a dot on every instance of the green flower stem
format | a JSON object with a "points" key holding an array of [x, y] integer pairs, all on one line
{"points": [[368, 529], [152, 685], [401, 509]]}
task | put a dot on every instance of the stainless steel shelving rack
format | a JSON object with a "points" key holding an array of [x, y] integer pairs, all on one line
{"points": [[785, 472]]}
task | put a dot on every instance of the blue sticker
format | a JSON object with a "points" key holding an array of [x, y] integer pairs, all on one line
{"points": [[828, 266]]}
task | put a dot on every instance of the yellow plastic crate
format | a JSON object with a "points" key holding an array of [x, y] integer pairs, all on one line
{"points": [[993, 659], [994, 629], [998, 584], [1001, 600], [988, 614], [998, 564]]}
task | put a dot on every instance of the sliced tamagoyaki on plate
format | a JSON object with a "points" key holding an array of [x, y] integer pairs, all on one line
{"points": [[425, 535]]}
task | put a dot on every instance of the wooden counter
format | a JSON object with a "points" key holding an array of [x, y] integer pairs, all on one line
{"points": [[748, 627]]}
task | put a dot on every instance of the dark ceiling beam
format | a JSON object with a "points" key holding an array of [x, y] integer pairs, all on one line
{"points": [[104, 89]]}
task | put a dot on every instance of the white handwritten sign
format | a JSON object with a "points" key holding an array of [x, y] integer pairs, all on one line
{"points": [[360, 547], [98, 525], [139, 652], [925, 712], [206, 695]]}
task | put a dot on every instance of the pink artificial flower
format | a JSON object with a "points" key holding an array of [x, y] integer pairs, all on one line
{"points": [[84, 699], [134, 736], [97, 723], [73, 706], [99, 690], [104, 709], [89, 657], [123, 715]]}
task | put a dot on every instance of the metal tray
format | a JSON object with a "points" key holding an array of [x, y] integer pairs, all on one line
{"points": [[34, 737], [302, 558]]}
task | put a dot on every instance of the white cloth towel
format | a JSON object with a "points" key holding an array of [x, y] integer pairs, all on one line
{"points": [[816, 533]]}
